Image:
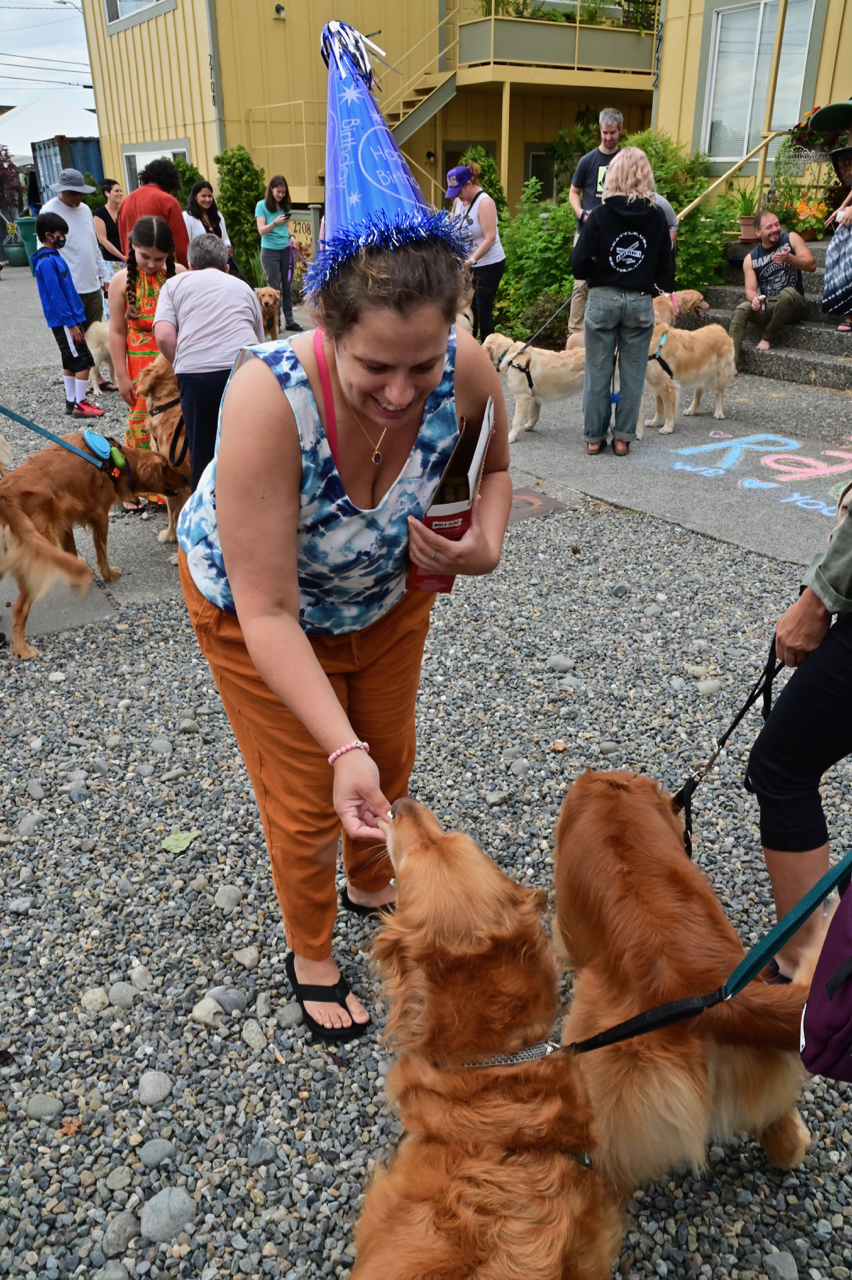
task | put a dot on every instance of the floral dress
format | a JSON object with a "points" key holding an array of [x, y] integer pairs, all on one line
{"points": [[142, 350]]}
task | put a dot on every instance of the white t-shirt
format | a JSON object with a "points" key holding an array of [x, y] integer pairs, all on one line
{"points": [[215, 315], [474, 228], [82, 250], [195, 227]]}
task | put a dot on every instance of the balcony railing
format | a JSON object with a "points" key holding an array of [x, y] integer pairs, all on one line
{"points": [[572, 46]]}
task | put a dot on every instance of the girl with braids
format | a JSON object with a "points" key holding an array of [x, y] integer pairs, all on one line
{"points": [[133, 295]]}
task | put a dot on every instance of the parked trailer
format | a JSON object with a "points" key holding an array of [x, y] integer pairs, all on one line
{"points": [[55, 154]]}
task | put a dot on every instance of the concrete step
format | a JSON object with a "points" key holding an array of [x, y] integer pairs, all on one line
{"points": [[806, 335], [790, 364], [726, 297]]}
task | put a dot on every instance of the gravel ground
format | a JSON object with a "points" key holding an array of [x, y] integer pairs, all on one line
{"points": [[263, 1142]]}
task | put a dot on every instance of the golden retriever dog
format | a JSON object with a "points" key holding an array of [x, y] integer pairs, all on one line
{"points": [[5, 456], [700, 359], [487, 1182], [158, 384], [464, 320], [553, 375], [97, 340], [51, 492], [269, 300], [642, 926], [668, 309]]}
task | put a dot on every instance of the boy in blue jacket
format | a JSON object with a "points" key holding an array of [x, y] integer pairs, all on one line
{"points": [[63, 311]]}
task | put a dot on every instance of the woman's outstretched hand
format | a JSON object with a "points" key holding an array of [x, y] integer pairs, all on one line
{"points": [[358, 798], [801, 629]]}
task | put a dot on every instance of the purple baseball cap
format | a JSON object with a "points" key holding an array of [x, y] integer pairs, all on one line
{"points": [[456, 179]]}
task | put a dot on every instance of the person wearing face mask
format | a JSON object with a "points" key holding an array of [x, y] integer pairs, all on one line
{"points": [[296, 544], [64, 313], [133, 295]]}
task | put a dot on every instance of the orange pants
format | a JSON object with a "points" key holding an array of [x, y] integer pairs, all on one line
{"points": [[375, 674]]}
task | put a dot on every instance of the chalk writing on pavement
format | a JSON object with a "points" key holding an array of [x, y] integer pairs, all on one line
{"points": [[778, 454]]}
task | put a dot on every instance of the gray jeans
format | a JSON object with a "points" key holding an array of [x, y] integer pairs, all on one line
{"points": [[622, 319]]}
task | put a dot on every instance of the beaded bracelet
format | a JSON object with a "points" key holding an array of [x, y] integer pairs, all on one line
{"points": [[357, 745]]}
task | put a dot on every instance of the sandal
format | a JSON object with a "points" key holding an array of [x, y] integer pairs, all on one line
{"points": [[107, 386], [594, 447], [623, 451], [324, 995], [359, 909], [845, 326]]}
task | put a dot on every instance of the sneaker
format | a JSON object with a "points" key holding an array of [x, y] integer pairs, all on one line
{"points": [[70, 406], [85, 410], [293, 326]]}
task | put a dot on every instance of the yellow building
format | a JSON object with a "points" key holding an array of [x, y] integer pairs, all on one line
{"points": [[196, 76], [715, 66]]}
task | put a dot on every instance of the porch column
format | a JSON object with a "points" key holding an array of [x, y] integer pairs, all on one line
{"points": [[504, 137]]}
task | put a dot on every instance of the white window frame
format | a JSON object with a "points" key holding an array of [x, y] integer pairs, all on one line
{"points": [[707, 122], [144, 152]]}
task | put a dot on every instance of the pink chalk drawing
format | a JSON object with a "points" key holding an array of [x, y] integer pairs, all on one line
{"points": [[799, 467], [726, 435]]}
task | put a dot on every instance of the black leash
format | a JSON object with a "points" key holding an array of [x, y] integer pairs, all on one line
{"points": [[761, 688], [525, 369], [173, 461]]}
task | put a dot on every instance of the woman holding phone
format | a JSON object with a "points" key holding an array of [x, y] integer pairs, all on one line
{"points": [[273, 215]]}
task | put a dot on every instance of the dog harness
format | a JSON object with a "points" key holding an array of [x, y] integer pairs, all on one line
{"points": [[153, 410], [658, 356], [522, 368]]}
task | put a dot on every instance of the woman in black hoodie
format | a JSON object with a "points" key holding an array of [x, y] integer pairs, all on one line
{"points": [[623, 251]]}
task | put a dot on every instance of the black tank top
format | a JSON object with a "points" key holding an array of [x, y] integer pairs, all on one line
{"points": [[772, 277]]}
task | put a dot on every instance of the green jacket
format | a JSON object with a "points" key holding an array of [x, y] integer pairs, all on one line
{"points": [[829, 574]]}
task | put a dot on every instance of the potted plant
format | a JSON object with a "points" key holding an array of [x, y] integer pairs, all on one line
{"points": [[808, 218], [745, 202]]}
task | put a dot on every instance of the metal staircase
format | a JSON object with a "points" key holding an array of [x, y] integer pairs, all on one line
{"points": [[428, 72]]}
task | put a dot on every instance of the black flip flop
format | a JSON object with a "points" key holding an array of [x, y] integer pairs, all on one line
{"points": [[358, 908], [324, 995], [107, 386]]}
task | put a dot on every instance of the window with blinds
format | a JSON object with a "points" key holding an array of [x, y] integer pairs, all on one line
{"points": [[738, 75]]}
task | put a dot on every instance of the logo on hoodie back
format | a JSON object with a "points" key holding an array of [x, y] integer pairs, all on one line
{"points": [[627, 251]]}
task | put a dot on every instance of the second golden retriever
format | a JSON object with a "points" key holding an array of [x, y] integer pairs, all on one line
{"points": [[642, 927], [487, 1183], [539, 377], [269, 300], [699, 359], [159, 385]]}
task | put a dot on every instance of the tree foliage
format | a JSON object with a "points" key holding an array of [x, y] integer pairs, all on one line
{"points": [[241, 185], [577, 140], [537, 242], [488, 176], [189, 175]]}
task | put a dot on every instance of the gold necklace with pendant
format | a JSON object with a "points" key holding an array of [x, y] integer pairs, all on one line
{"points": [[376, 456]]}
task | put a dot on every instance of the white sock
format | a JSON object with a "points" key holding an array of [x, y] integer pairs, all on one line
{"points": [[70, 386], [81, 390]]}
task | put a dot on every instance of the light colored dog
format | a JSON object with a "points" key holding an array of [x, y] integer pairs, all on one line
{"points": [[5, 456], [97, 340], [538, 377], [700, 359], [464, 320], [269, 300], [159, 386]]}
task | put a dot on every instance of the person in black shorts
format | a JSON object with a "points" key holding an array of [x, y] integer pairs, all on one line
{"points": [[64, 313], [808, 731]]}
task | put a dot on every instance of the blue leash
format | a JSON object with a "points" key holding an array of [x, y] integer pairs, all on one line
{"points": [[48, 435]]}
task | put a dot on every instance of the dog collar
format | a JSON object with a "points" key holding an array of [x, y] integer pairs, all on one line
{"points": [[153, 410], [532, 1053]]}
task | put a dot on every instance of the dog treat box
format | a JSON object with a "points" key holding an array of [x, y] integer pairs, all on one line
{"points": [[451, 511]]}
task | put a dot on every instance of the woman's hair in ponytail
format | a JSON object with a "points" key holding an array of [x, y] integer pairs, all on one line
{"points": [[147, 233]]}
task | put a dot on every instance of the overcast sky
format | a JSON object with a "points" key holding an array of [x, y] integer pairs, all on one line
{"points": [[43, 51]]}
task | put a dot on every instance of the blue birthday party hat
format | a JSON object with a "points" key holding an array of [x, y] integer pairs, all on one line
{"points": [[371, 196]]}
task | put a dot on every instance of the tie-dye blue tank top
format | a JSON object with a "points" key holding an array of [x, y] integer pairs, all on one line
{"points": [[352, 563]]}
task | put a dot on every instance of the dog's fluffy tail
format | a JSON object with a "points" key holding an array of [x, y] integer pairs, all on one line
{"points": [[27, 555]]}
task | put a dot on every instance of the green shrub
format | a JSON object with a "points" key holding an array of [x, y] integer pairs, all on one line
{"points": [[241, 185], [537, 242], [489, 178], [96, 199], [189, 175], [556, 333], [582, 136]]}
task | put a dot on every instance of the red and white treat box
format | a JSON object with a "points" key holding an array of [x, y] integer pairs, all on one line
{"points": [[451, 511]]}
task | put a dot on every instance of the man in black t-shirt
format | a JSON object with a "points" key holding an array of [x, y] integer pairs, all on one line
{"points": [[585, 195], [773, 273]]}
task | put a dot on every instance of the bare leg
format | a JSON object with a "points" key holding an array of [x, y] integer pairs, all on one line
{"points": [[792, 875], [325, 973]]}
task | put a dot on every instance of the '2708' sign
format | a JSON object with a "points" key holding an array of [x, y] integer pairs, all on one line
{"points": [[777, 454]]}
